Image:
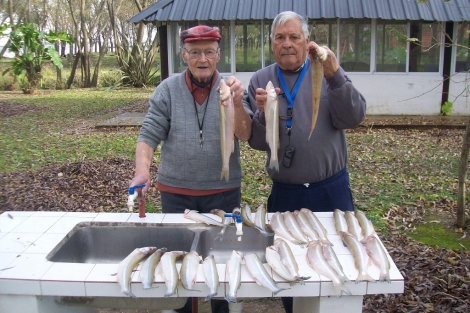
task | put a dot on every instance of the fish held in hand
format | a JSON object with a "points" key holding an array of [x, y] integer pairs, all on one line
{"points": [[211, 276], [227, 127], [233, 271], [147, 271], [127, 265], [201, 218], [317, 261], [259, 273], [317, 56], [271, 112]]}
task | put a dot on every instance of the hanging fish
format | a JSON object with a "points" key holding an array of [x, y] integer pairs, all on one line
{"points": [[271, 112], [317, 56], [227, 127]]}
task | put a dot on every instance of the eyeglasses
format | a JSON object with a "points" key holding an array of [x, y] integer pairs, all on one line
{"points": [[196, 54]]}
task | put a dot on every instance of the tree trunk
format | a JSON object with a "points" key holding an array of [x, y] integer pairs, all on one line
{"points": [[462, 177], [73, 70]]}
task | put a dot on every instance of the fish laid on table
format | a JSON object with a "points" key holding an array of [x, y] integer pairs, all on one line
{"points": [[201, 218], [353, 225], [294, 227], [188, 271], [271, 113], [147, 271], [273, 258], [259, 273], [340, 221], [332, 259], [227, 127], [379, 257], [211, 276], [316, 260], [287, 258], [169, 271], [247, 216], [233, 270], [225, 220], [305, 226], [317, 225], [260, 221], [127, 265], [367, 229], [361, 259], [279, 227], [317, 56]]}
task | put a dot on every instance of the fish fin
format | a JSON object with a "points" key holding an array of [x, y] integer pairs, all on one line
{"points": [[385, 277], [128, 293], [302, 277], [279, 290], [224, 174], [169, 294], [209, 296], [341, 289], [274, 164], [365, 277], [231, 298]]}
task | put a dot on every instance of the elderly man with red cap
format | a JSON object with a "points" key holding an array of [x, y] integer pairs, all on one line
{"points": [[184, 117]]}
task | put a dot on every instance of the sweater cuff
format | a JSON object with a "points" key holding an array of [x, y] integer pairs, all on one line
{"points": [[337, 80]]}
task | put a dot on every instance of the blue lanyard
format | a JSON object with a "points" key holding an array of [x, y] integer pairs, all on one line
{"points": [[291, 98]]}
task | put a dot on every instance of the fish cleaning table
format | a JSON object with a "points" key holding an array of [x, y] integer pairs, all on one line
{"points": [[29, 282]]}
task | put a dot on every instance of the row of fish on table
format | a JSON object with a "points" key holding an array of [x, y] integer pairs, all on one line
{"points": [[301, 228]]}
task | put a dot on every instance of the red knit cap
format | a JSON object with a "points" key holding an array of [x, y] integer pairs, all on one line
{"points": [[201, 32]]}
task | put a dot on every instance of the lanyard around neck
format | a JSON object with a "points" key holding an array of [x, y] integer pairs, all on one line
{"points": [[291, 97]]}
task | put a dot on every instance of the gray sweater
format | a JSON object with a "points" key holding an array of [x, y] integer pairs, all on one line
{"points": [[171, 120], [325, 154]]}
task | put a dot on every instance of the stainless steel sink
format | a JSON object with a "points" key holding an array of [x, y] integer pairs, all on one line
{"points": [[98, 242]]}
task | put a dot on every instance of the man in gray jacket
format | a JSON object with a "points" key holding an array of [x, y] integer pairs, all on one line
{"points": [[312, 171], [184, 117]]}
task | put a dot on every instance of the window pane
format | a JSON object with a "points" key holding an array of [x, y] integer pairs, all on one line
{"points": [[268, 53], [391, 47], [247, 46], [463, 55], [324, 34], [355, 41], [224, 63], [424, 54]]}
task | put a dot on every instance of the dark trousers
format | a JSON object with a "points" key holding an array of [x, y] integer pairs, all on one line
{"points": [[227, 201], [325, 196]]}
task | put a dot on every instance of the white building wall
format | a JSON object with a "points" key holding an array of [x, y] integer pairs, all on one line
{"points": [[459, 94]]}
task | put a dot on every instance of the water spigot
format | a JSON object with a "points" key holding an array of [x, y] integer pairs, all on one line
{"points": [[238, 222], [133, 194]]}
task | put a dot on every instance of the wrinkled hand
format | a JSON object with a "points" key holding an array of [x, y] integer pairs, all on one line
{"points": [[330, 65], [262, 96], [237, 90], [141, 178]]}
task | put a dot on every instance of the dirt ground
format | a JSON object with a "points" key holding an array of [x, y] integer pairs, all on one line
{"points": [[436, 280]]}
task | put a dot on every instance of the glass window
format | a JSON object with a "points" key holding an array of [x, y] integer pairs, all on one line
{"points": [[324, 33], [355, 44], [462, 63], [391, 47], [223, 65], [424, 51], [247, 46], [268, 53]]}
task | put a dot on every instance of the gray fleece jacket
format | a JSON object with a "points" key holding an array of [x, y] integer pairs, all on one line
{"points": [[341, 106], [171, 121]]}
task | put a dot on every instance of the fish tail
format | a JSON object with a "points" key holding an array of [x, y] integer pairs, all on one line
{"points": [[364, 277], [341, 289], [209, 296], [274, 164], [299, 278], [224, 174], [129, 293], [279, 290], [169, 294], [385, 277], [231, 298]]}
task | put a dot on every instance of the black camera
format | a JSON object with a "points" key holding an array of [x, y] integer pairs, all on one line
{"points": [[288, 156]]}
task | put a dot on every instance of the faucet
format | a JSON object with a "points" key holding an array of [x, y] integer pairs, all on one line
{"points": [[134, 194], [236, 214]]}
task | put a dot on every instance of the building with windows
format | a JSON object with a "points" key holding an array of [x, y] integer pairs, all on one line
{"points": [[407, 58]]}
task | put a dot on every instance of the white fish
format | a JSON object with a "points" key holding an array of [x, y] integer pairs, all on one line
{"points": [[332, 259], [271, 112], [367, 229], [294, 227], [287, 258], [316, 59], [317, 225], [211, 276], [379, 257], [361, 259], [169, 271], [279, 227], [273, 258], [260, 221], [227, 128], [127, 265], [247, 216], [147, 271], [233, 271], [305, 226], [188, 271], [259, 273], [353, 225], [340, 221], [201, 218], [317, 261]]}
